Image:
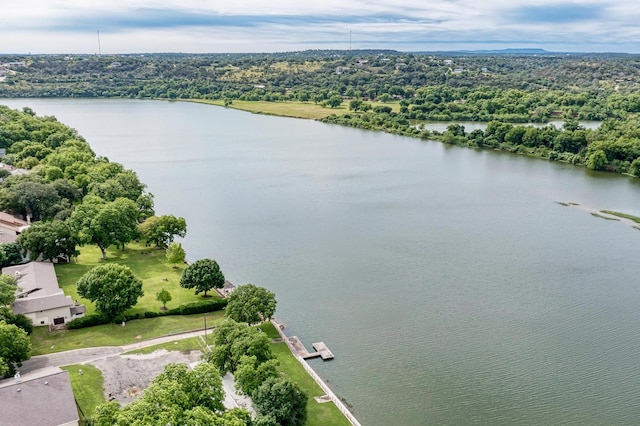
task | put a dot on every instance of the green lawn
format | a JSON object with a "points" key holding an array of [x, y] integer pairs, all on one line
{"points": [[319, 414], [182, 345], [87, 387], [295, 109], [44, 342], [147, 263]]}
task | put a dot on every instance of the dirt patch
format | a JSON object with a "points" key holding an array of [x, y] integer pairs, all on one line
{"points": [[126, 376]]}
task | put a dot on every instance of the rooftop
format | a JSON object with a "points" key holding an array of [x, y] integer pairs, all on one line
{"points": [[45, 400]]}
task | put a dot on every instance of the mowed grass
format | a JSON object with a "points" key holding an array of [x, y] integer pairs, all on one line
{"points": [[319, 414], [294, 109], [88, 387], [44, 342], [182, 345], [147, 263]]}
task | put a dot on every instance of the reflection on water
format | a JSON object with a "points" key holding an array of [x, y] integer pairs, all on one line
{"points": [[448, 282]]}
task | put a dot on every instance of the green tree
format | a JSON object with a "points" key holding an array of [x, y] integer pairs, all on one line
{"points": [[250, 374], [10, 254], [163, 296], [334, 101], [176, 254], [51, 240], [112, 287], [202, 275], [22, 321], [355, 104], [597, 160], [282, 399], [251, 304], [161, 230], [8, 288], [105, 224], [234, 340], [15, 347]]}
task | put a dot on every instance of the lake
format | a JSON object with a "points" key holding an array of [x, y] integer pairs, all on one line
{"points": [[449, 283]]}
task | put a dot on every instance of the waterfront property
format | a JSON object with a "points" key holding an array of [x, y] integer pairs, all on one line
{"points": [[39, 297]]}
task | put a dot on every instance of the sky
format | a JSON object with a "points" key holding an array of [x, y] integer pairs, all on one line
{"points": [[219, 26]]}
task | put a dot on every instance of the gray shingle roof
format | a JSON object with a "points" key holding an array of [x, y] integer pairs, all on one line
{"points": [[42, 401], [39, 285]]}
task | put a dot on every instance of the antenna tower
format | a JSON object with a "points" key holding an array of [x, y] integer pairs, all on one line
{"points": [[99, 49]]}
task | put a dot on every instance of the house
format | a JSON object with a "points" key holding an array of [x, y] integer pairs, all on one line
{"points": [[43, 397], [10, 227], [40, 297], [226, 289]]}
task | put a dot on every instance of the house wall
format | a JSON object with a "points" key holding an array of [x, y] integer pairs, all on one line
{"points": [[46, 317]]}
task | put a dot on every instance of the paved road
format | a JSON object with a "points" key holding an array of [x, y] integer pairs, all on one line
{"points": [[82, 356]]}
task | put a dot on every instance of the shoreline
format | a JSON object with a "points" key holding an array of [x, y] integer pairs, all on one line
{"points": [[329, 393]]}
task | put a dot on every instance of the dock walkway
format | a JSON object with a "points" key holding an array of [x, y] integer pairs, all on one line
{"points": [[321, 349]]}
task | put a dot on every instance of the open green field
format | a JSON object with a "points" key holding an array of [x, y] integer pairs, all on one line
{"points": [[147, 263], [295, 109], [87, 387], [44, 342]]}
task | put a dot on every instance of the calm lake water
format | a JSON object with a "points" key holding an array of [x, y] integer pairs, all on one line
{"points": [[449, 283]]}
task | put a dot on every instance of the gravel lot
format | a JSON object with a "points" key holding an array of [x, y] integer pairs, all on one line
{"points": [[126, 376]]}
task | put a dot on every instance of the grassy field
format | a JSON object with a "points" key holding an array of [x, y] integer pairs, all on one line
{"points": [[147, 263], [293, 109], [182, 345], [87, 387], [319, 414], [44, 342]]}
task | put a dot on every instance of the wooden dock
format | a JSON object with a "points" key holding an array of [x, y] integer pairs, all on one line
{"points": [[321, 349]]}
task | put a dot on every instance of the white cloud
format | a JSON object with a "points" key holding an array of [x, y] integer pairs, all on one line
{"points": [[69, 26]]}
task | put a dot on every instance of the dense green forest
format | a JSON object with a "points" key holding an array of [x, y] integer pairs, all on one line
{"points": [[504, 89]]}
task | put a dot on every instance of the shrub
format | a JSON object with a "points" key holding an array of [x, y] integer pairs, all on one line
{"points": [[87, 321], [202, 307]]}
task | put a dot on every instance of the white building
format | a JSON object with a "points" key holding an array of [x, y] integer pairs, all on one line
{"points": [[39, 297]]}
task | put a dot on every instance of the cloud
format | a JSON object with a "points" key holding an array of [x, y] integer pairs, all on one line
{"points": [[276, 25], [559, 13], [149, 18]]}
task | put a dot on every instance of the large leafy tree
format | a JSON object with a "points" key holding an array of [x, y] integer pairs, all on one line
{"points": [[162, 230], [8, 288], [202, 275], [15, 347], [283, 399], [31, 198], [105, 224], [250, 374], [112, 287], [251, 304], [51, 239], [234, 340]]}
